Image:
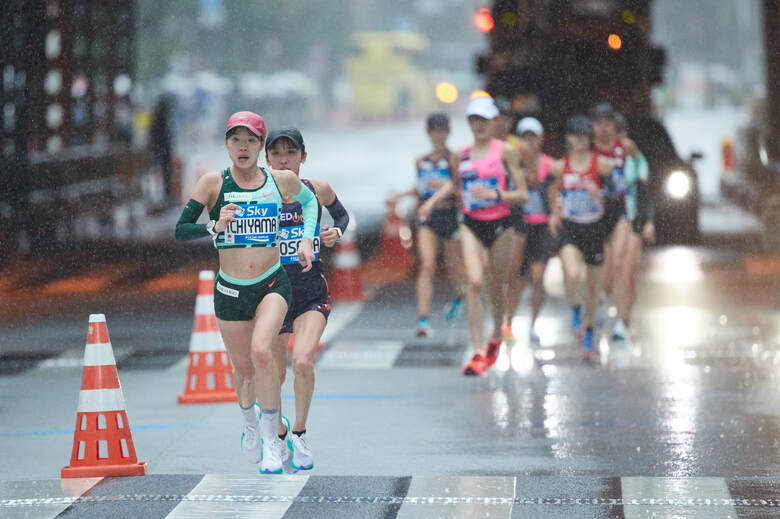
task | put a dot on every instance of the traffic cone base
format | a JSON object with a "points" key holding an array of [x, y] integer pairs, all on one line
{"points": [[204, 383], [102, 442]]}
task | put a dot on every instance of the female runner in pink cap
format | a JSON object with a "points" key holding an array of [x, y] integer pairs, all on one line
{"points": [[252, 290]]}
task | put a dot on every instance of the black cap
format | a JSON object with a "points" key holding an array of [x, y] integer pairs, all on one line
{"points": [[438, 121], [291, 133], [602, 110], [579, 124], [621, 122], [504, 105]]}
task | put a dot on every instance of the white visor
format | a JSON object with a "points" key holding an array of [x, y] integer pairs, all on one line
{"points": [[482, 106], [529, 124]]}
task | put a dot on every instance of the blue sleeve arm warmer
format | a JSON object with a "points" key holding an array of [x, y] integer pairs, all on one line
{"points": [[339, 214], [186, 228], [309, 206]]}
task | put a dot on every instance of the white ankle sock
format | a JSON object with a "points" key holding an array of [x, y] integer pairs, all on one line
{"points": [[250, 416], [269, 422]]}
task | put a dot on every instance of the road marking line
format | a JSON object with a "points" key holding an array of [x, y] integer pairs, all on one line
{"points": [[683, 491], [74, 358], [217, 485], [361, 355], [50, 497], [707, 504], [339, 317], [467, 486]]}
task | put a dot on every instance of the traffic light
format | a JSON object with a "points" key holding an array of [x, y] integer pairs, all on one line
{"points": [[484, 20], [614, 41]]}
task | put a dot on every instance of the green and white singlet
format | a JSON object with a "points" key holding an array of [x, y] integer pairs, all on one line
{"points": [[257, 219]]}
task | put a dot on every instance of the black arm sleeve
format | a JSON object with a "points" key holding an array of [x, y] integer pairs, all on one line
{"points": [[186, 228], [339, 214]]}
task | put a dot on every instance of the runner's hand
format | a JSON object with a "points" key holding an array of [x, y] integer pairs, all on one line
{"points": [[594, 190], [329, 235], [226, 215], [648, 232], [305, 254], [424, 211], [484, 193]]}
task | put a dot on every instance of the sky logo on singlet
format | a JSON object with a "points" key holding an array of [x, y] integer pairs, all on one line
{"points": [[290, 240], [254, 223]]}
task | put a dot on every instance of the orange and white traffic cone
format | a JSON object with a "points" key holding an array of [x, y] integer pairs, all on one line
{"points": [[727, 153], [210, 373], [102, 442], [344, 278], [395, 261]]}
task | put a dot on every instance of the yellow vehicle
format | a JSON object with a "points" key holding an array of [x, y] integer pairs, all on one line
{"points": [[385, 79]]}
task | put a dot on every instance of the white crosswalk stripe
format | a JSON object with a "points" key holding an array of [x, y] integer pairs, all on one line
{"points": [[225, 485], [238, 496]]}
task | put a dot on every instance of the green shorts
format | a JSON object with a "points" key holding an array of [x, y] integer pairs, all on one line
{"points": [[237, 299]]}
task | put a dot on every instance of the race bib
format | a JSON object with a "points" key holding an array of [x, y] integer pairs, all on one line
{"points": [[430, 178], [619, 181], [469, 182], [579, 204], [535, 204], [289, 241], [254, 223]]}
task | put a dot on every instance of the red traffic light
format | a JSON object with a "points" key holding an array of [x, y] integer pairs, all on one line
{"points": [[484, 20], [614, 41]]}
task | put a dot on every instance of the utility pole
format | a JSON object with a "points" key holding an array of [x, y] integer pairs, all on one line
{"points": [[772, 50]]}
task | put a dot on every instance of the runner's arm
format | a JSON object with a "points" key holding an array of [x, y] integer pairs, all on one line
{"points": [[290, 185], [631, 148], [331, 202], [294, 187], [186, 228], [644, 201], [519, 195]]}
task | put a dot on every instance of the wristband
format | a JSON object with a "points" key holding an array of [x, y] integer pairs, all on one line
{"points": [[498, 194], [210, 228], [338, 231]]}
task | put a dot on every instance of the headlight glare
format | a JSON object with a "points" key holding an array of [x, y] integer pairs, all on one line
{"points": [[678, 184]]}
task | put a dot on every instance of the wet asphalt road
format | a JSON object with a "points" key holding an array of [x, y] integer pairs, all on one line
{"points": [[683, 421]]}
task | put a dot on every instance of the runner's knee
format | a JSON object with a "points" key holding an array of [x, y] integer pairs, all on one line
{"points": [[475, 285], [262, 358], [302, 365]]}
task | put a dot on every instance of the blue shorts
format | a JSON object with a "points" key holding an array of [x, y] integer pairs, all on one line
{"points": [[309, 293]]}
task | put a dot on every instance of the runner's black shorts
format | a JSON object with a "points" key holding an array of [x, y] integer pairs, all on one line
{"points": [[518, 219], [538, 246], [309, 293], [587, 237], [487, 231], [237, 300], [614, 211], [443, 222]]}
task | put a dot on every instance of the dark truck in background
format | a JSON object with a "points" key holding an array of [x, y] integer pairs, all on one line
{"points": [[556, 58], [67, 163]]}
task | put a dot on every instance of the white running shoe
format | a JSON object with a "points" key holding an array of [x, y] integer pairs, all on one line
{"points": [[271, 458], [303, 458], [286, 451], [250, 440], [619, 331]]}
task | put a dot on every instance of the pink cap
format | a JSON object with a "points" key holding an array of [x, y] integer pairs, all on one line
{"points": [[253, 122]]}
